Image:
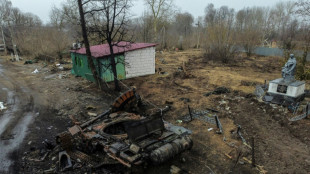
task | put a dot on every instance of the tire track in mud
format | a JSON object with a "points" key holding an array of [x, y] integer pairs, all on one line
{"points": [[15, 120], [9, 113]]}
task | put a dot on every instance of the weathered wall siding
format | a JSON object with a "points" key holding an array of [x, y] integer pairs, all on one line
{"points": [[140, 62]]}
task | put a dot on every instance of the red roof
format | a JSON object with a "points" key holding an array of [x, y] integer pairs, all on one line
{"points": [[104, 49]]}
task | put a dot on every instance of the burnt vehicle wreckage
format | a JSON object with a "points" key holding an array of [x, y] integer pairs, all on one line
{"points": [[122, 135]]}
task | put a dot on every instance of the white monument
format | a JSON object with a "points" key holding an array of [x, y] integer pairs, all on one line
{"points": [[287, 86]]}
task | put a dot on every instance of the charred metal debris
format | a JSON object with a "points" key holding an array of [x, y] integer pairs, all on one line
{"points": [[120, 136]]}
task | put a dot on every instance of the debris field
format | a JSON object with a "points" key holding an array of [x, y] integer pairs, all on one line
{"points": [[192, 116]]}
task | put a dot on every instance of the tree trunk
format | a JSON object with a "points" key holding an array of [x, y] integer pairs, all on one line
{"points": [[3, 39], [113, 64], [88, 53], [155, 30]]}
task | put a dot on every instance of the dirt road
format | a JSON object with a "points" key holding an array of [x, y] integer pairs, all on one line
{"points": [[24, 124], [19, 115]]}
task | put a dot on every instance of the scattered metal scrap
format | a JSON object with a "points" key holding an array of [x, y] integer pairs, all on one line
{"points": [[125, 137], [295, 108], [239, 134], [218, 124], [302, 116], [201, 115], [204, 116]]}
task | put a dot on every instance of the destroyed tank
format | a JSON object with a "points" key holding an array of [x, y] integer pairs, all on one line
{"points": [[126, 137]]}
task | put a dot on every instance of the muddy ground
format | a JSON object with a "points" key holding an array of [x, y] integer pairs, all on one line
{"points": [[39, 106], [280, 146]]}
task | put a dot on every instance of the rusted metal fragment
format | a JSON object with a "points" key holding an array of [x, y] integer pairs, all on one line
{"points": [[107, 112], [83, 157], [125, 100], [65, 140], [75, 129], [119, 160], [89, 135]]}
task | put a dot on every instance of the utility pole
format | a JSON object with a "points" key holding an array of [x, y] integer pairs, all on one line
{"points": [[198, 34]]}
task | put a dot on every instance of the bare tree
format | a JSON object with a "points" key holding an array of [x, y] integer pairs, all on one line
{"points": [[303, 8], [41, 42], [210, 13], [160, 9], [143, 27], [88, 53], [249, 26], [288, 35], [220, 36], [303, 34], [282, 15], [57, 18], [5, 10], [183, 23], [109, 20], [182, 27], [67, 18]]}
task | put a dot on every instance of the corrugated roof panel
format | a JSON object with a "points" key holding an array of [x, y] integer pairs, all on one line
{"points": [[104, 49]]}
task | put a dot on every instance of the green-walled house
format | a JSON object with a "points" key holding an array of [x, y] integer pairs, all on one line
{"points": [[132, 60]]}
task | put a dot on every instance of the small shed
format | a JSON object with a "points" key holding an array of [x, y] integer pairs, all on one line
{"points": [[132, 60]]}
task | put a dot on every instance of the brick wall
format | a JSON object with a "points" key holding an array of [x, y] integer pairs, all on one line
{"points": [[140, 62]]}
